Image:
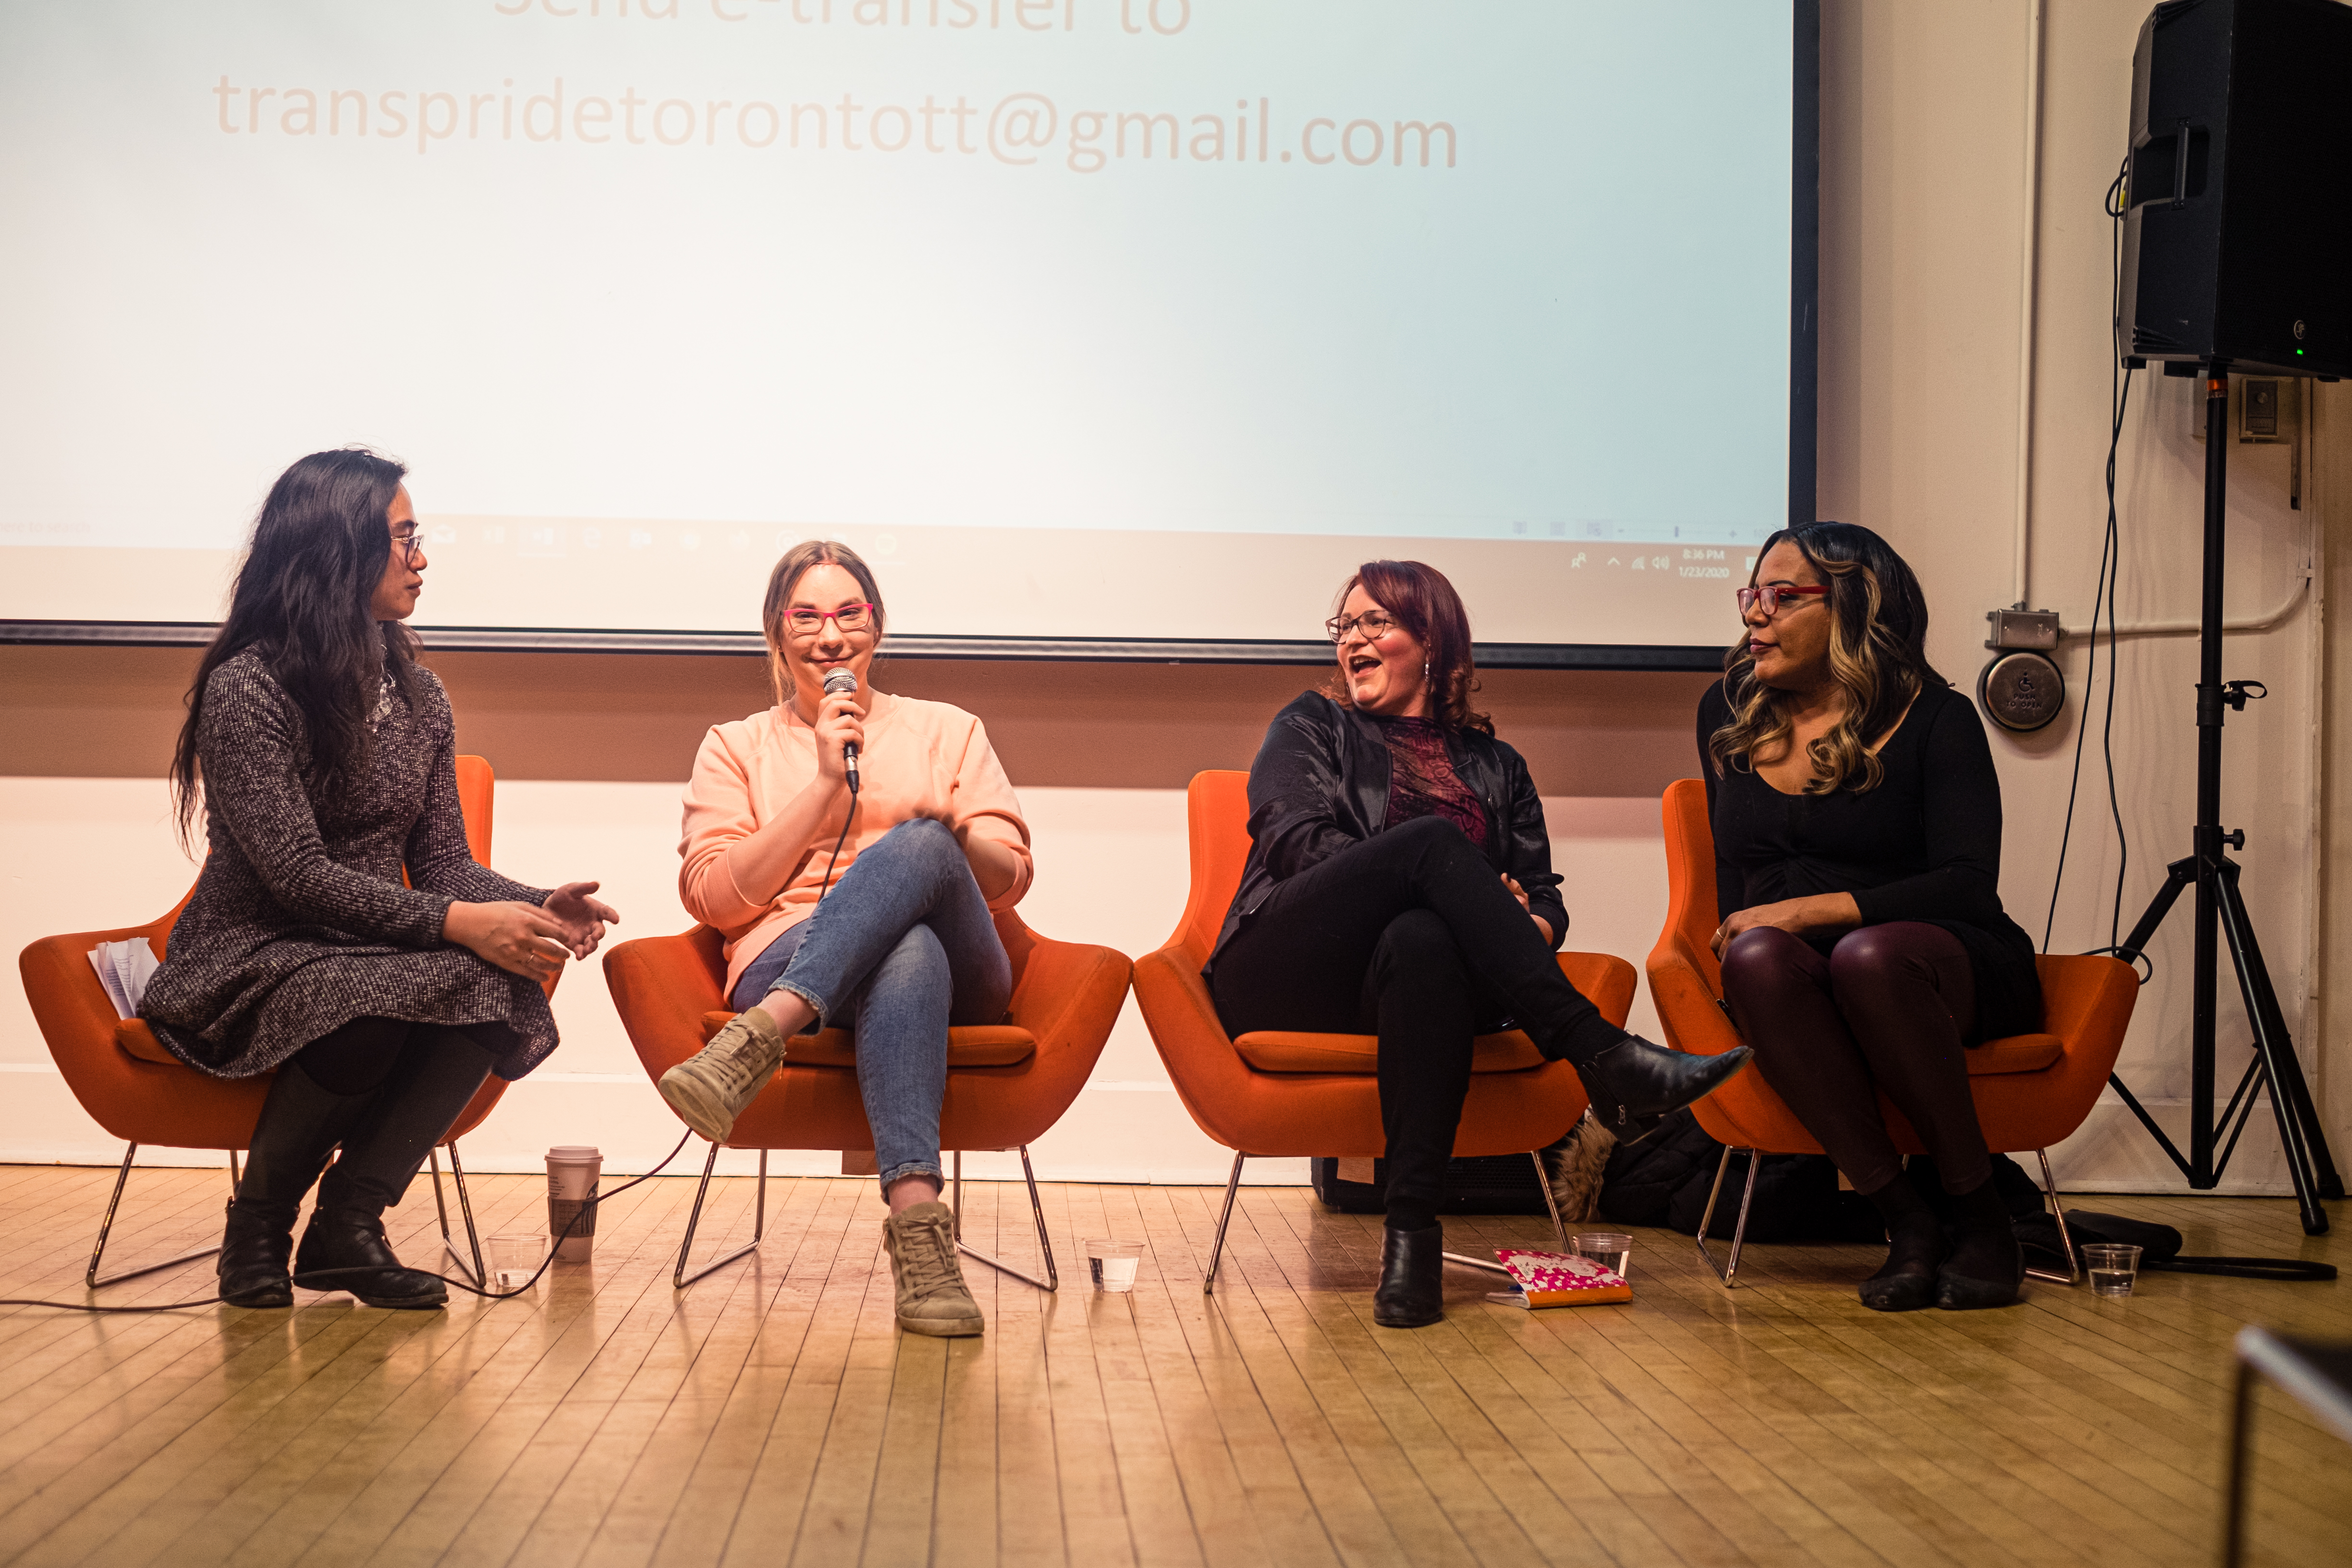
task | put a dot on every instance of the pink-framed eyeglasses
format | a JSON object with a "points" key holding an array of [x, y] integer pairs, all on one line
{"points": [[805, 623], [1770, 595]]}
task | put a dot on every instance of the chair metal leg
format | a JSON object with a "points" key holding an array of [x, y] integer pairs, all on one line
{"points": [[1724, 1271], [1224, 1216], [472, 1271], [98, 1253], [1053, 1280], [679, 1279], [2233, 1517], [2074, 1276]]}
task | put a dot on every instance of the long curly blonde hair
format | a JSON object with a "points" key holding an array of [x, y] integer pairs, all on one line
{"points": [[1878, 636]]}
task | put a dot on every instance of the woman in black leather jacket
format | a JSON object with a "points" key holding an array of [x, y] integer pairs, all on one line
{"points": [[1399, 882]]}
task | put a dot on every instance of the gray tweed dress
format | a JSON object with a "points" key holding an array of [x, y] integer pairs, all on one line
{"points": [[299, 923]]}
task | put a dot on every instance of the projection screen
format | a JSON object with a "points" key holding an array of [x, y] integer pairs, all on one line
{"points": [[1113, 327]]}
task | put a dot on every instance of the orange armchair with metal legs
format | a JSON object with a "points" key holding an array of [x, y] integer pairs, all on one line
{"points": [[139, 1092], [1271, 1093], [1007, 1082], [2030, 1090]]}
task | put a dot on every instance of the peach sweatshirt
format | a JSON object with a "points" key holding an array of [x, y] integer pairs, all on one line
{"points": [[920, 759]]}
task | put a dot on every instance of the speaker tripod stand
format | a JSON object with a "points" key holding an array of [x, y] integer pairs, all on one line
{"points": [[2221, 913]]}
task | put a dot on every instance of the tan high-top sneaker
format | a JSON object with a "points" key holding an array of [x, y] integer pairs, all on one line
{"points": [[932, 1299], [710, 1087]]}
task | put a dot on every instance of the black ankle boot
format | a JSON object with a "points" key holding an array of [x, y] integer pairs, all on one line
{"points": [[1906, 1281], [1986, 1267], [344, 1249], [255, 1245], [1633, 1084], [1412, 1278]]}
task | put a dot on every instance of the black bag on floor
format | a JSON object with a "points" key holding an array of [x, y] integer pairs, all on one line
{"points": [[1664, 1179], [2159, 1248], [1483, 1184]]}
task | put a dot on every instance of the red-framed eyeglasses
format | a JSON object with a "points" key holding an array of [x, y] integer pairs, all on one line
{"points": [[1770, 595], [848, 617]]}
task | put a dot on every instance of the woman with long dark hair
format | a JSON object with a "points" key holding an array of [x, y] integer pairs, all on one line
{"points": [[1857, 853], [1399, 882], [322, 757], [856, 905]]}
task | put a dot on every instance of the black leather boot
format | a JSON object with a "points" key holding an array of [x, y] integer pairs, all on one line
{"points": [[255, 1246], [299, 1126], [1986, 1267], [1915, 1237], [344, 1249], [1633, 1084], [1411, 1293]]}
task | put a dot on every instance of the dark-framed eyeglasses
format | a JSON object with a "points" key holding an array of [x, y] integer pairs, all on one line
{"points": [[404, 540], [1372, 625], [1770, 595], [808, 623]]}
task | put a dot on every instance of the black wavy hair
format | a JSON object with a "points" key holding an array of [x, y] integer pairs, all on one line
{"points": [[301, 602]]}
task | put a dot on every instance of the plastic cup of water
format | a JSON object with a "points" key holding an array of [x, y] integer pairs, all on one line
{"points": [[514, 1259], [1112, 1263], [2113, 1266], [1607, 1248]]}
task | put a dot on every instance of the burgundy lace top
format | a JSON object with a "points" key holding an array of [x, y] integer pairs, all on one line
{"points": [[1421, 781]]}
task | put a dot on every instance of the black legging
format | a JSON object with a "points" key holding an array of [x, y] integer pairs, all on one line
{"points": [[1411, 935], [1889, 1009]]}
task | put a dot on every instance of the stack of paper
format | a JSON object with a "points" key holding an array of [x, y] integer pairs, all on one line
{"points": [[124, 968]]}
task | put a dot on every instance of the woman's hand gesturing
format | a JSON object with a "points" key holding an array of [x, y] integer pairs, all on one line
{"points": [[521, 938], [584, 919]]}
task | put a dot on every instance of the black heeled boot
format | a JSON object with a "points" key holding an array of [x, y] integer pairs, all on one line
{"points": [[1906, 1281], [1986, 1266], [299, 1126], [1411, 1293], [1633, 1084], [345, 1249]]}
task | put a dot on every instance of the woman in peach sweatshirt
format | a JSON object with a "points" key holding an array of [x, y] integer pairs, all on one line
{"points": [[860, 898]]}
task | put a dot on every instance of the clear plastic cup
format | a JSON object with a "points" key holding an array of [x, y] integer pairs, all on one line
{"points": [[1112, 1263], [1606, 1248], [514, 1259], [2113, 1266]]}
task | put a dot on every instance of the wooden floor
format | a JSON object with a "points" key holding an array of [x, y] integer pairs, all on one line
{"points": [[771, 1415]]}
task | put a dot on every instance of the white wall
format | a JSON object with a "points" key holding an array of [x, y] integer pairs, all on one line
{"points": [[1111, 870]]}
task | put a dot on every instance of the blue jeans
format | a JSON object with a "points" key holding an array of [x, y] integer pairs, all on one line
{"points": [[901, 947]]}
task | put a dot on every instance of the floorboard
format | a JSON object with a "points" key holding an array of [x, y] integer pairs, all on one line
{"points": [[772, 1414]]}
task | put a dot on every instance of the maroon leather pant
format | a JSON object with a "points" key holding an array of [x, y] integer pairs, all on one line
{"points": [[1886, 1012]]}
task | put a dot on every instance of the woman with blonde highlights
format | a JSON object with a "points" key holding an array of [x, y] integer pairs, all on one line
{"points": [[858, 898], [1857, 852]]}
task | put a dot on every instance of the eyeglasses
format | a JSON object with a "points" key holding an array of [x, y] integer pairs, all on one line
{"points": [[404, 540], [1770, 595], [807, 624], [1373, 625]]}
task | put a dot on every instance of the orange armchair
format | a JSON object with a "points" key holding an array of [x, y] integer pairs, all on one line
{"points": [[1277, 1093], [2030, 1090], [139, 1092], [1007, 1082]]}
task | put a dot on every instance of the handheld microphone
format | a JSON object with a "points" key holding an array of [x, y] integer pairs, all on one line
{"points": [[839, 682]]}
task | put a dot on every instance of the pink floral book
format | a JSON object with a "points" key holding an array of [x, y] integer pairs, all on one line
{"points": [[1560, 1279]]}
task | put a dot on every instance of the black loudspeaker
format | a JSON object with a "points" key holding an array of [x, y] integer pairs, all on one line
{"points": [[2238, 220]]}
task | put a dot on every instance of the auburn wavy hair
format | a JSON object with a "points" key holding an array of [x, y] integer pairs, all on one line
{"points": [[789, 571], [1878, 639], [1426, 605]]}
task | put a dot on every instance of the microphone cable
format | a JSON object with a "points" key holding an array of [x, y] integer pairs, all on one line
{"points": [[468, 1286]]}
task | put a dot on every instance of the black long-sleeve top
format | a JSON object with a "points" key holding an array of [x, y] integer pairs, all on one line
{"points": [[1321, 782], [1925, 844]]}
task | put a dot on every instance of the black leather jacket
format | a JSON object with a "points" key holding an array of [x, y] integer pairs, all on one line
{"points": [[1320, 783]]}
